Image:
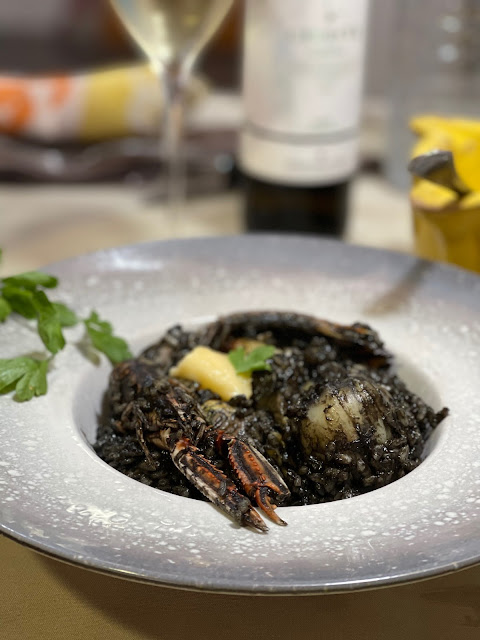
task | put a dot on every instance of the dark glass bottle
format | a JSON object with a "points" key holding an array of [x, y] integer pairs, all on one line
{"points": [[275, 207], [302, 87]]}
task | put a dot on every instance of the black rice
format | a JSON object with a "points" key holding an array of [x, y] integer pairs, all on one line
{"points": [[303, 367]]}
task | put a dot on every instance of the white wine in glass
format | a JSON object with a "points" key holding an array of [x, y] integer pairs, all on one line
{"points": [[172, 33]]}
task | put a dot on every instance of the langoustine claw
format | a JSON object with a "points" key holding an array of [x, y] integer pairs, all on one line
{"points": [[163, 413]]}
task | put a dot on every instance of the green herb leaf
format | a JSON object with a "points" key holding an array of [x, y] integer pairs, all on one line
{"points": [[31, 279], [49, 328], [101, 335], [29, 376], [20, 300], [253, 361], [33, 383], [5, 309], [94, 322], [12, 369], [23, 294], [66, 316], [116, 349]]}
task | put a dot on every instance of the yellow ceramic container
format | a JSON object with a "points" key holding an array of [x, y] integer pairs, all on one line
{"points": [[447, 225]]}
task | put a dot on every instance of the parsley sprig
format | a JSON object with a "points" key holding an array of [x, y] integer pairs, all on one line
{"points": [[24, 295], [28, 376], [255, 360]]}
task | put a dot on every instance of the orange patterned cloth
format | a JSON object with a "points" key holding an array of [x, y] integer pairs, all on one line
{"points": [[103, 104]]}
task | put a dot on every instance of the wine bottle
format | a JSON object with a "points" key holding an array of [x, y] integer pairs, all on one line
{"points": [[302, 86]]}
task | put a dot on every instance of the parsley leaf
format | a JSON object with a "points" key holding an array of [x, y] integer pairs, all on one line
{"points": [[31, 279], [94, 322], [49, 328], [253, 361], [20, 300], [5, 309], [101, 335], [27, 375], [66, 316], [23, 294]]}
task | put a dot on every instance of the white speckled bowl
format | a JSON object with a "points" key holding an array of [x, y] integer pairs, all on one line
{"points": [[59, 498]]}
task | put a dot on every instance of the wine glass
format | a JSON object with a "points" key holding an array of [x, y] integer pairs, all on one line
{"points": [[172, 33]]}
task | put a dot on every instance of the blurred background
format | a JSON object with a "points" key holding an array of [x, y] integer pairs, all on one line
{"points": [[90, 174], [80, 36]]}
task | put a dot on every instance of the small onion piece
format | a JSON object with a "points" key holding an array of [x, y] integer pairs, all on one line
{"points": [[355, 409]]}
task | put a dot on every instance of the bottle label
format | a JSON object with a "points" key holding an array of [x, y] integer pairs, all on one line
{"points": [[302, 87]]}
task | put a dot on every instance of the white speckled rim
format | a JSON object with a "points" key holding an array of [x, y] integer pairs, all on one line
{"points": [[60, 499]]}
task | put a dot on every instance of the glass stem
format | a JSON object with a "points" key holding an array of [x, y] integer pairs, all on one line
{"points": [[172, 136]]}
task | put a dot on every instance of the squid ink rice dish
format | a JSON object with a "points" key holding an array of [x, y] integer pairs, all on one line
{"points": [[263, 409]]}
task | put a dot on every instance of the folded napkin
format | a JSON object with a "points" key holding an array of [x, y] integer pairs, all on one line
{"points": [[86, 107]]}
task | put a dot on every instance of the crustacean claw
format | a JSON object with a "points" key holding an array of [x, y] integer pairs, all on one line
{"points": [[163, 413], [257, 476], [215, 485]]}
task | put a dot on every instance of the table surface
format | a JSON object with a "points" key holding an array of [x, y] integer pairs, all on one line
{"points": [[42, 597], [42, 224]]}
